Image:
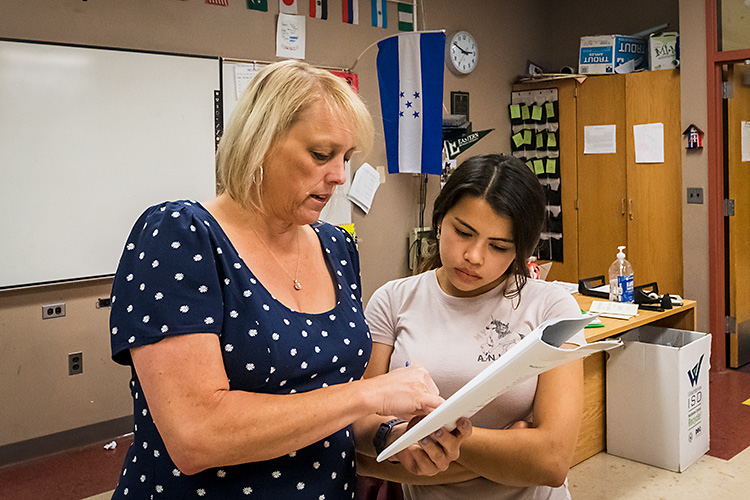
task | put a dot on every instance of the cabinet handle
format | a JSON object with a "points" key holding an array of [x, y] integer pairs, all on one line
{"points": [[630, 209], [623, 207]]}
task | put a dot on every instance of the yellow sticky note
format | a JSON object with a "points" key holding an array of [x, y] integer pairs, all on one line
{"points": [[527, 137], [551, 140], [524, 112], [551, 166], [518, 139], [538, 167], [746, 402], [549, 107], [515, 111], [530, 164], [540, 141], [536, 113]]}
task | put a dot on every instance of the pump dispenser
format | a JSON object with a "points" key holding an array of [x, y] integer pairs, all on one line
{"points": [[621, 279]]}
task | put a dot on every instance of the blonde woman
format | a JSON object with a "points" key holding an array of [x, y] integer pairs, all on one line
{"points": [[241, 317]]}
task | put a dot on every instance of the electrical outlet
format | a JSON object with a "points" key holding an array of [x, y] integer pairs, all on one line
{"points": [[75, 363], [53, 310], [695, 195]]}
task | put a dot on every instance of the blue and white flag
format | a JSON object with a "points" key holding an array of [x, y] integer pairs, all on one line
{"points": [[410, 75], [379, 13]]}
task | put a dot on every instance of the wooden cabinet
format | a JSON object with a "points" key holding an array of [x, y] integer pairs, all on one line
{"points": [[610, 200]]}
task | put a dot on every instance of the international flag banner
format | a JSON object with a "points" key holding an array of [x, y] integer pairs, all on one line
{"points": [[351, 78], [379, 14], [350, 11], [410, 77], [319, 9], [261, 5], [218, 2], [405, 17], [288, 7]]}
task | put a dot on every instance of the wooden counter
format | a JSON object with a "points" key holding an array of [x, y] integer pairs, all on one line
{"points": [[592, 438]]}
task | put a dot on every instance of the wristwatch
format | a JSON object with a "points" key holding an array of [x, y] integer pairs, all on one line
{"points": [[381, 436]]}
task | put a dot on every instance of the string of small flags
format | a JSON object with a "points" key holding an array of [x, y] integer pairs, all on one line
{"points": [[318, 9]]}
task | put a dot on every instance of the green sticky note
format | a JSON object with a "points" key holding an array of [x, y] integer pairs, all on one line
{"points": [[530, 164], [515, 111], [551, 140], [518, 139], [540, 141], [550, 108], [536, 113], [524, 112], [538, 167], [551, 166], [527, 136]]}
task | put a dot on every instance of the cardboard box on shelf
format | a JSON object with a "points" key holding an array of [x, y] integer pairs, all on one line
{"points": [[664, 51], [657, 397], [603, 54]]}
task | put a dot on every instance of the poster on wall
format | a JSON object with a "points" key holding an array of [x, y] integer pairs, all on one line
{"points": [[290, 36]]}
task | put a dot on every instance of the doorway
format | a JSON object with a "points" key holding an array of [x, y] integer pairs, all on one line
{"points": [[736, 77]]}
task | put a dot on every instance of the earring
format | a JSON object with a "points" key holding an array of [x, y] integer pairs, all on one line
{"points": [[437, 234], [255, 175]]}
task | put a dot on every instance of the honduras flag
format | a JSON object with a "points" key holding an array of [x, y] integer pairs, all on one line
{"points": [[410, 75]]}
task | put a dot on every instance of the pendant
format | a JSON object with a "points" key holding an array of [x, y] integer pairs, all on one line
{"points": [[297, 285]]}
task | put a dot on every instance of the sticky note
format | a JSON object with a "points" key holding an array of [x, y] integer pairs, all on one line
{"points": [[551, 165], [536, 113], [538, 166], [549, 107]]}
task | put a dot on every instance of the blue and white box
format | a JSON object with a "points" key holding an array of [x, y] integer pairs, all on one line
{"points": [[609, 54]]}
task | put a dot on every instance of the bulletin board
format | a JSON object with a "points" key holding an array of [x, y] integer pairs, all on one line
{"points": [[535, 140], [90, 137]]}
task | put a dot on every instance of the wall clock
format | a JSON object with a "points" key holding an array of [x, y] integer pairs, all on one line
{"points": [[463, 53]]}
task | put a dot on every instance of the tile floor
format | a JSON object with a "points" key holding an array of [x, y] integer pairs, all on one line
{"points": [[724, 473]]}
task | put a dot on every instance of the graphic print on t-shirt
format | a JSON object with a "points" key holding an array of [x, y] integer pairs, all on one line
{"points": [[496, 339]]}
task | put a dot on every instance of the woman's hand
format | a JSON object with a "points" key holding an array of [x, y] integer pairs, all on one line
{"points": [[405, 393], [435, 452]]}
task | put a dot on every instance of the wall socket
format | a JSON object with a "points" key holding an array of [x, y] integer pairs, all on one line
{"points": [[53, 310], [75, 363], [695, 195]]}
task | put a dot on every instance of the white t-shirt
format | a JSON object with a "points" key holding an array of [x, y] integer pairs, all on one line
{"points": [[455, 338]]}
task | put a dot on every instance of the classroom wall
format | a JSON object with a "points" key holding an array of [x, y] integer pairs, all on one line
{"points": [[39, 398]]}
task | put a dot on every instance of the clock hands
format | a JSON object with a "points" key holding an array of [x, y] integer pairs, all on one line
{"points": [[466, 52]]}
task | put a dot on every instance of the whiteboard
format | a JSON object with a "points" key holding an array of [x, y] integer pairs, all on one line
{"points": [[235, 78], [89, 138]]}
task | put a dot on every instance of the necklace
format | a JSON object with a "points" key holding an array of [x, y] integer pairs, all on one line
{"points": [[297, 284]]}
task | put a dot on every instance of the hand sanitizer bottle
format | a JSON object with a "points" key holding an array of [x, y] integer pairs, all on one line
{"points": [[621, 279]]}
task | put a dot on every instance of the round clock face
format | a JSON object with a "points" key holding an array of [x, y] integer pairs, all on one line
{"points": [[463, 53]]}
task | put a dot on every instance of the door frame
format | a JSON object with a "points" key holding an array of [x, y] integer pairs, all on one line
{"points": [[715, 149]]}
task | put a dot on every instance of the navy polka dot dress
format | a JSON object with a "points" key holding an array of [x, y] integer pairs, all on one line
{"points": [[178, 275]]}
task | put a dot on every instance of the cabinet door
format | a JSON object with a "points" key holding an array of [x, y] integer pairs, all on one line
{"points": [[601, 177], [654, 190]]}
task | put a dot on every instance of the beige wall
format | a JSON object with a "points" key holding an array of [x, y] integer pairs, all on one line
{"points": [[39, 398]]}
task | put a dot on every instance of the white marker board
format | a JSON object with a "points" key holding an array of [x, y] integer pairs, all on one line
{"points": [[90, 137]]}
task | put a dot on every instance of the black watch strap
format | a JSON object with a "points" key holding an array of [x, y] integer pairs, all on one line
{"points": [[381, 436]]}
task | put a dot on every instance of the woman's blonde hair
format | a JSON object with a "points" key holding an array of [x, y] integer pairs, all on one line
{"points": [[266, 111]]}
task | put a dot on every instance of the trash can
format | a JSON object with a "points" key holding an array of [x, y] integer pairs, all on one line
{"points": [[657, 397]]}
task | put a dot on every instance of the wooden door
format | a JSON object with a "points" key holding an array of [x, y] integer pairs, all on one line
{"points": [[601, 177], [738, 235], [654, 201]]}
